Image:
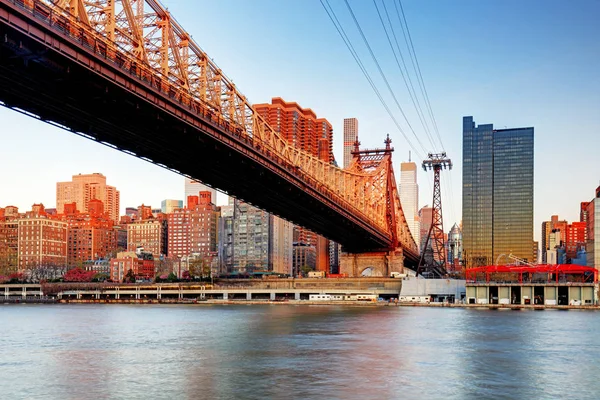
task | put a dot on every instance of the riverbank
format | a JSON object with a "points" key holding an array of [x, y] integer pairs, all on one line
{"points": [[302, 302]]}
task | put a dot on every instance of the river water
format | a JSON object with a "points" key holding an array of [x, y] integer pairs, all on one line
{"points": [[302, 352]]}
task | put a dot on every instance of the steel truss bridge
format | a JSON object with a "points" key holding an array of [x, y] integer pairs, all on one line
{"points": [[126, 74]]}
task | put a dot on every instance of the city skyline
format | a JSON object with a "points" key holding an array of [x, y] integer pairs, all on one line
{"points": [[546, 80]]}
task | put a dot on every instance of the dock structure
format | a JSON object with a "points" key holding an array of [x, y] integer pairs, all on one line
{"points": [[240, 289], [545, 284]]}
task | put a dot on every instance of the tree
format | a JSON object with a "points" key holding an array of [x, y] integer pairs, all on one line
{"points": [[172, 277], [306, 269], [196, 266], [78, 275], [130, 276]]}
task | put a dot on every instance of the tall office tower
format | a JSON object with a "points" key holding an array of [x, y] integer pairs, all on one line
{"points": [[192, 188], [350, 136], [497, 193], [409, 197], [592, 231], [84, 188], [300, 127]]}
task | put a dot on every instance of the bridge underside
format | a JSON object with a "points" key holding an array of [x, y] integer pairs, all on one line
{"points": [[60, 81]]}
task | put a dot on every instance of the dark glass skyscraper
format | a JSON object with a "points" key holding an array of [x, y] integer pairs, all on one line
{"points": [[497, 193]]}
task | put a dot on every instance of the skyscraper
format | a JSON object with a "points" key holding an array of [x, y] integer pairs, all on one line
{"points": [[84, 188], [593, 231], [192, 188], [350, 136], [303, 130], [497, 193], [409, 197], [299, 126]]}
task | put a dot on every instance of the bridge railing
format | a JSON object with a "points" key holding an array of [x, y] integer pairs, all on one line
{"points": [[142, 39]]}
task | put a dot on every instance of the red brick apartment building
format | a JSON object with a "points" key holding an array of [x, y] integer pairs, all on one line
{"points": [[302, 129], [193, 230]]}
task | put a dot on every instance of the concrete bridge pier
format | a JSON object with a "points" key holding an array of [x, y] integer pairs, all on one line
{"points": [[378, 264], [272, 296]]}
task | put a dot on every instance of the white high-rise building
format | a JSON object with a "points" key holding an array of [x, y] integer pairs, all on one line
{"points": [[350, 136], [409, 197], [192, 188]]}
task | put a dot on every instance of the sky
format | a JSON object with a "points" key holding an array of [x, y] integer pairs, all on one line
{"points": [[510, 63]]}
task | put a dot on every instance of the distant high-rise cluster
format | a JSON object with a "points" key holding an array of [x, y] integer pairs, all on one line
{"points": [[350, 137], [497, 193]]}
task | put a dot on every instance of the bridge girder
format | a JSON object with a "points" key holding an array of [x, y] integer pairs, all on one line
{"points": [[141, 45]]}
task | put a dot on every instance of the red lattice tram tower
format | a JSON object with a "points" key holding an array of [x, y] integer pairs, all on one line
{"points": [[436, 264]]}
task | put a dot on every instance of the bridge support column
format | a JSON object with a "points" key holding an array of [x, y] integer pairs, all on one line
{"points": [[272, 296], [380, 263], [225, 296], [297, 296], [248, 296]]}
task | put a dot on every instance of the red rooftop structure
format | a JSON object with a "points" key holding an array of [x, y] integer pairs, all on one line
{"points": [[525, 273]]}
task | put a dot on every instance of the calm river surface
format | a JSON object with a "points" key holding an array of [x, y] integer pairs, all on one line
{"points": [[303, 352]]}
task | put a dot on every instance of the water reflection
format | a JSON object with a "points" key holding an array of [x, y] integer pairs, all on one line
{"points": [[135, 352]]}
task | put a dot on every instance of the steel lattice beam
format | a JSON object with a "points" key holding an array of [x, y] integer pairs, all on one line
{"points": [[142, 38]]}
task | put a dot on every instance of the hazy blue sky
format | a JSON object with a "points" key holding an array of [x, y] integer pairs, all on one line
{"points": [[510, 63]]}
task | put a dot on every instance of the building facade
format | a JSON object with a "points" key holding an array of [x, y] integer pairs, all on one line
{"points": [[593, 231], [304, 130], [281, 250], [454, 245], [350, 137], [575, 238], [193, 187], [299, 126], [226, 238], [9, 242], [497, 193], [409, 198], [140, 264], [149, 235], [193, 230], [86, 187], [250, 238], [425, 221], [42, 241], [168, 206]]}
